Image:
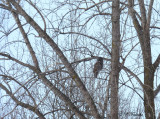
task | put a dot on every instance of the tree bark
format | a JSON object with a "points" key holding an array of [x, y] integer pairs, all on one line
{"points": [[65, 61], [149, 69], [115, 59]]}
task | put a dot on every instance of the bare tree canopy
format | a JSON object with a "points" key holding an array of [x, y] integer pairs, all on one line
{"points": [[79, 59]]}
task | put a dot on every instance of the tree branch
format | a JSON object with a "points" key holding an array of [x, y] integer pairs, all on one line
{"points": [[8, 8], [157, 91], [149, 13], [22, 85], [17, 61], [90, 37], [62, 96], [30, 2], [135, 21], [134, 75], [27, 106], [54, 46], [32, 53], [156, 63], [143, 13]]}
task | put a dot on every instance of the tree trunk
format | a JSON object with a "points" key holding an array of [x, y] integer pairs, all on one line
{"points": [[148, 78], [144, 39], [115, 59]]}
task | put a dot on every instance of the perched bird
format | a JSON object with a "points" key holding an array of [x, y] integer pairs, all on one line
{"points": [[98, 66]]}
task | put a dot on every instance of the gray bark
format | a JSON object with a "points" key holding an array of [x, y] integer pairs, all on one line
{"points": [[149, 68], [115, 58]]}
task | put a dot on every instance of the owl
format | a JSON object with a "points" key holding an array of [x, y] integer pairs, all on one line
{"points": [[98, 66]]}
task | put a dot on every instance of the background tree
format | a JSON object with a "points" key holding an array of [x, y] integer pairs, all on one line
{"points": [[48, 50], [142, 27]]}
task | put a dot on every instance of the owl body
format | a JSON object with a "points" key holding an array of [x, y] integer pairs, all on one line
{"points": [[98, 66]]}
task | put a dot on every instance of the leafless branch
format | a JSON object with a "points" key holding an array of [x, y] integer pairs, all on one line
{"points": [[156, 63], [150, 13], [54, 46], [17, 61], [157, 90], [27, 106], [134, 75], [32, 53]]}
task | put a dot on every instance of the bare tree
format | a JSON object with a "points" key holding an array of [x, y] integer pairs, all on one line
{"points": [[42, 33], [48, 50], [143, 30]]}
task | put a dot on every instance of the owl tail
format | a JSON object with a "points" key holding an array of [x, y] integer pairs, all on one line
{"points": [[95, 74]]}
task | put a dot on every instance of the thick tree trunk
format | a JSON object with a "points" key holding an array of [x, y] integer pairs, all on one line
{"points": [[144, 39], [115, 59], [148, 77], [149, 94]]}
